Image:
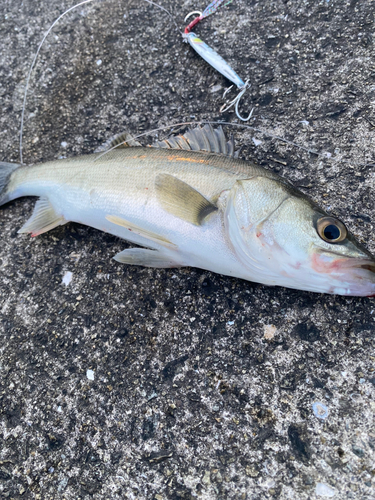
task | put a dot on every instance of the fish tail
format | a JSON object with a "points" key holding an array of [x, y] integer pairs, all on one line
{"points": [[6, 171]]}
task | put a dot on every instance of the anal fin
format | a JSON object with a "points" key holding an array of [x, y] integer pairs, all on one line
{"points": [[149, 235], [145, 257], [43, 219]]}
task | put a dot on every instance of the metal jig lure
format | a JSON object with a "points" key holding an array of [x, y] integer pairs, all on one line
{"points": [[215, 60]]}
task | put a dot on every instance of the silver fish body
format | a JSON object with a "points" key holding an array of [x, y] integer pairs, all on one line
{"points": [[193, 208]]}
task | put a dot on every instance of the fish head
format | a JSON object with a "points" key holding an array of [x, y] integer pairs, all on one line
{"points": [[282, 238]]}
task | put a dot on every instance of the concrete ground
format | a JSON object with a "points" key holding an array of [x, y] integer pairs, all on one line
{"points": [[123, 382]]}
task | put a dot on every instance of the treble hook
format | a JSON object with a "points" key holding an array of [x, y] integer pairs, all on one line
{"points": [[236, 102]]}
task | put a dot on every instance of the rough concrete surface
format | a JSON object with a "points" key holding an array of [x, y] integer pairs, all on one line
{"points": [[125, 382]]}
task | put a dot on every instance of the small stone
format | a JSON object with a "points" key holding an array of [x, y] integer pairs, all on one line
{"points": [[269, 331], [324, 490], [215, 88], [90, 374], [358, 451], [62, 484], [308, 480], [320, 410], [158, 497], [67, 278], [251, 471], [206, 478]]}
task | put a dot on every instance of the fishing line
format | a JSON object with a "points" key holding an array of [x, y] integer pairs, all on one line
{"points": [[238, 125], [34, 61], [165, 10]]}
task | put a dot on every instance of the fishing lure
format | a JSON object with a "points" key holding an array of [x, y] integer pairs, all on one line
{"points": [[214, 59]]}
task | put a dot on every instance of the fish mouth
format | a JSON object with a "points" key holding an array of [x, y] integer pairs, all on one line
{"points": [[349, 276], [371, 268], [361, 277]]}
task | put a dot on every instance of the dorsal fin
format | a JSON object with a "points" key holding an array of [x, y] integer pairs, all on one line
{"points": [[123, 140], [200, 139], [204, 138]]}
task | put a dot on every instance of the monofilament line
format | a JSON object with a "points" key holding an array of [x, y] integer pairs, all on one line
{"points": [[33, 64]]}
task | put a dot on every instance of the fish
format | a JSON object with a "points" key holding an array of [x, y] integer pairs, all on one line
{"points": [[189, 201]]}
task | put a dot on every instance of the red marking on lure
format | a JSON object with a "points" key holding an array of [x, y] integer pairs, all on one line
{"points": [[192, 24], [210, 9]]}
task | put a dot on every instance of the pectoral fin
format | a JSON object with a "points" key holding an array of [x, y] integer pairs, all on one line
{"points": [[182, 200], [119, 221], [43, 219], [144, 257]]}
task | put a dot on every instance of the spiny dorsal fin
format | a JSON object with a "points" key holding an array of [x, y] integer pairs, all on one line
{"points": [[123, 140], [43, 219], [200, 139], [182, 200]]}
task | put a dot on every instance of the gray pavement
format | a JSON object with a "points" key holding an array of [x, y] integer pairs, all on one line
{"points": [[122, 382]]}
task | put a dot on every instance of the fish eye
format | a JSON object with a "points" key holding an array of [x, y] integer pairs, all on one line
{"points": [[331, 230]]}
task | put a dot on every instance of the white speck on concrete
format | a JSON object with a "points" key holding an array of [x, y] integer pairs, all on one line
{"points": [[215, 88], [62, 484], [320, 410], [64, 144], [99, 62], [67, 278], [305, 122], [269, 331], [324, 490], [257, 142], [90, 374], [230, 323]]}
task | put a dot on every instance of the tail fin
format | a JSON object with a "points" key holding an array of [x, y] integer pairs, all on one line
{"points": [[6, 170]]}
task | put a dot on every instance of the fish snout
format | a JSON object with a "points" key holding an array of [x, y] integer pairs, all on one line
{"points": [[364, 278], [353, 276]]}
